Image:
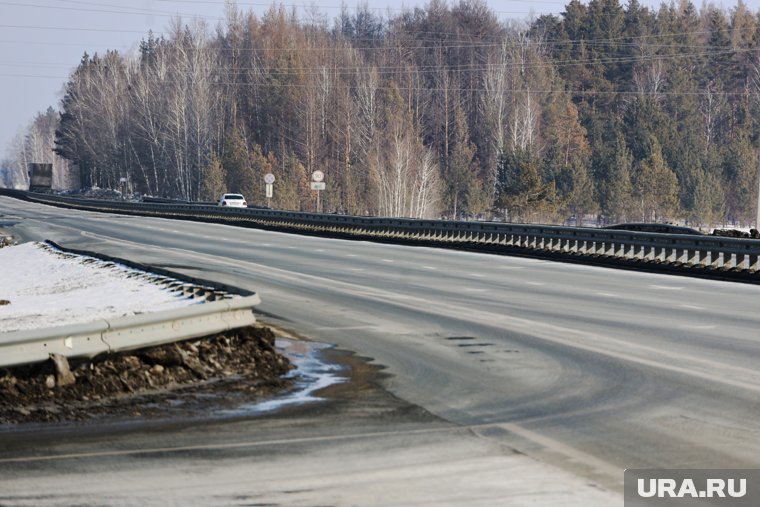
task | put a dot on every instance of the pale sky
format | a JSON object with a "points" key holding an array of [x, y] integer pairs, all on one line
{"points": [[41, 41]]}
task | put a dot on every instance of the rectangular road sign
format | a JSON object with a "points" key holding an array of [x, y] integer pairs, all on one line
{"points": [[269, 190], [318, 185]]}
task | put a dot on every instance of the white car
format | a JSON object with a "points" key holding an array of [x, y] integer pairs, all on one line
{"points": [[233, 201]]}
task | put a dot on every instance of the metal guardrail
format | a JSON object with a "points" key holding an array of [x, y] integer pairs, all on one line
{"points": [[223, 308], [126, 333], [727, 257]]}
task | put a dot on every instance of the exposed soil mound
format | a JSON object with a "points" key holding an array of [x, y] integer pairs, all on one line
{"points": [[735, 233], [243, 363]]}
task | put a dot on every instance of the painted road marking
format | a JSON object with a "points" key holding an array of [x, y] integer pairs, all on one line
{"points": [[692, 307], [665, 287], [697, 326]]}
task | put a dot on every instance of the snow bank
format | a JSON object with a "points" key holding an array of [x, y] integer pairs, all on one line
{"points": [[49, 288]]}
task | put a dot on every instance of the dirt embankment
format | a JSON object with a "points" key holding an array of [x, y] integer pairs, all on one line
{"points": [[235, 367], [735, 233]]}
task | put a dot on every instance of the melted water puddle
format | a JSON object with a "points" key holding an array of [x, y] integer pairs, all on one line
{"points": [[311, 374]]}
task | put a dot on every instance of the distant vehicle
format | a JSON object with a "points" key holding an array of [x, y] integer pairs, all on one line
{"points": [[656, 228], [233, 201], [40, 177]]}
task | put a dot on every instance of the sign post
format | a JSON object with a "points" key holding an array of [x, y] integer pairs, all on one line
{"points": [[317, 183], [269, 180]]}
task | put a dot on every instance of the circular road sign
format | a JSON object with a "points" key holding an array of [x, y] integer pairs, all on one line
{"points": [[317, 176], [269, 178]]}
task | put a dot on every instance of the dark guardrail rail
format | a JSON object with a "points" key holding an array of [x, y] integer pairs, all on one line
{"points": [[712, 256]]}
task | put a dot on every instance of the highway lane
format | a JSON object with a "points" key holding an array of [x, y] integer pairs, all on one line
{"points": [[589, 370]]}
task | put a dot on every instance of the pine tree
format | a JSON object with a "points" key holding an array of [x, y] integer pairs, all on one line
{"points": [[616, 187], [462, 173], [237, 164], [213, 180], [740, 179], [709, 200], [519, 190], [292, 190], [655, 187]]}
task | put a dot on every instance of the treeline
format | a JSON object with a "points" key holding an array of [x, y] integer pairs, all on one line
{"points": [[34, 144], [619, 111]]}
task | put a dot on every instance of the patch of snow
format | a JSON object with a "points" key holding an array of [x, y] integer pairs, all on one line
{"points": [[48, 288]]}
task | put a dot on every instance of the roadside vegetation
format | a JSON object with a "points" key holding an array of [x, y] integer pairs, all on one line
{"points": [[618, 111]]}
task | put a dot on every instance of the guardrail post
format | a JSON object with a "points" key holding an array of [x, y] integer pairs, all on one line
{"points": [[647, 253], [695, 257], [754, 262], [672, 258], [716, 260], [684, 257], [744, 263], [730, 260]]}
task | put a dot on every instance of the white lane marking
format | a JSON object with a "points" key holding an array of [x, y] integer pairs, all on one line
{"points": [[356, 269], [664, 287], [537, 284], [266, 244], [697, 326], [478, 275], [607, 295], [350, 255], [692, 307], [319, 250], [429, 267], [388, 260], [475, 290]]}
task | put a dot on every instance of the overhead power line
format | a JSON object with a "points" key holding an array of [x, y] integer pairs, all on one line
{"points": [[136, 12]]}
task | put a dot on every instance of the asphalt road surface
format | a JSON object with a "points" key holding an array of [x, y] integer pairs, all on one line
{"points": [[511, 381]]}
